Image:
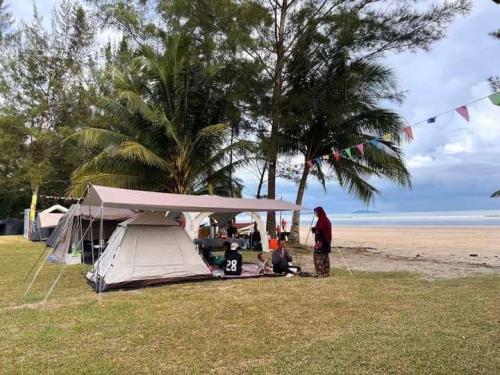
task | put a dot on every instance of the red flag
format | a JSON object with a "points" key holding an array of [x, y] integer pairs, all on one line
{"points": [[463, 112], [408, 132], [336, 155], [361, 148], [310, 164]]}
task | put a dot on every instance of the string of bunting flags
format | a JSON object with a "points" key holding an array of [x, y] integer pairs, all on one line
{"points": [[58, 198], [407, 131]]}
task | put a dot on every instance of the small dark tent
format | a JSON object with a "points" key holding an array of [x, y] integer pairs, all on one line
{"points": [[10, 227]]}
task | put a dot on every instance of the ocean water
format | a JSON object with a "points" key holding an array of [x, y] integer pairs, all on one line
{"points": [[435, 218]]}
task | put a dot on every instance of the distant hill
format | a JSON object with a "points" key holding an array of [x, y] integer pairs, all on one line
{"points": [[365, 212]]}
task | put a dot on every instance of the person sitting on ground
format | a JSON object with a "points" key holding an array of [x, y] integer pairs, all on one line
{"points": [[262, 265], [227, 248], [233, 261], [205, 252], [282, 261]]}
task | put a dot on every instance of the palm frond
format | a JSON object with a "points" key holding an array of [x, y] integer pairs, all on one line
{"points": [[98, 137], [78, 185], [134, 151]]}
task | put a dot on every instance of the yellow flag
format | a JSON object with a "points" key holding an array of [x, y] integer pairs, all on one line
{"points": [[388, 137], [33, 206]]}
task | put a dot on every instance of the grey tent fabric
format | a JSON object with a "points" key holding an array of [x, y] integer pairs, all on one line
{"points": [[81, 224], [148, 249]]}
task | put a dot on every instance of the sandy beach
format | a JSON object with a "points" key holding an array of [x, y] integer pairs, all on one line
{"points": [[435, 251]]}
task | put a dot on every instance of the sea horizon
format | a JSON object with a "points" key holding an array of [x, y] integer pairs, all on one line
{"points": [[415, 218]]}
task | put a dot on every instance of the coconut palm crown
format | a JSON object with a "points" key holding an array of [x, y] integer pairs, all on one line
{"points": [[167, 127]]}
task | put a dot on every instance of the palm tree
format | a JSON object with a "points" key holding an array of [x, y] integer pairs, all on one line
{"points": [[336, 108], [167, 130], [496, 194]]}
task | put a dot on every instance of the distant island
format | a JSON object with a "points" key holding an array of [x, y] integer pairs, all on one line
{"points": [[365, 212]]}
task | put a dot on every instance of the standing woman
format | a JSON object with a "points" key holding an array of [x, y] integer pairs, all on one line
{"points": [[322, 243]]}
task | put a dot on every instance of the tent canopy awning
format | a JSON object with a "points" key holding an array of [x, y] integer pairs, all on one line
{"points": [[152, 201], [111, 214]]}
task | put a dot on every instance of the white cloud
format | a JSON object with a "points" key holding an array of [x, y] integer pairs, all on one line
{"points": [[418, 161]]}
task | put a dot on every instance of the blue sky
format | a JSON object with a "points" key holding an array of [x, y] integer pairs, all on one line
{"points": [[455, 165]]}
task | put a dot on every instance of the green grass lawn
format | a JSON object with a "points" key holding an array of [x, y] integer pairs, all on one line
{"points": [[370, 323]]}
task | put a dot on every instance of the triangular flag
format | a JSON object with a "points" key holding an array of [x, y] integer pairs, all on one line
{"points": [[388, 137], [310, 164], [375, 143], [337, 155], [361, 148], [325, 157], [463, 112], [348, 152], [495, 98], [408, 132], [431, 120]]}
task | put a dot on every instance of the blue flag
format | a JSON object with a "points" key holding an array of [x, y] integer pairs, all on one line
{"points": [[374, 142], [431, 120]]}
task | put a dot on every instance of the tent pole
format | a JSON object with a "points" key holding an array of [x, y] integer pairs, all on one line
{"points": [[101, 241], [85, 233], [39, 230], [91, 240], [80, 223], [34, 278], [54, 284], [346, 266], [56, 280], [309, 231], [307, 238], [34, 264]]}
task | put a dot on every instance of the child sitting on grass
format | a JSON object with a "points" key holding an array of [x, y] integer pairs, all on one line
{"points": [[262, 265]]}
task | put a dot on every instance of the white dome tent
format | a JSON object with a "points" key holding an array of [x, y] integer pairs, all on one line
{"points": [[147, 249]]}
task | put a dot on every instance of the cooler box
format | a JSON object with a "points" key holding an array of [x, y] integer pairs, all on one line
{"points": [[273, 244]]}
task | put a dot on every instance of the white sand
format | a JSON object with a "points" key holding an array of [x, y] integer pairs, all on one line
{"points": [[438, 251]]}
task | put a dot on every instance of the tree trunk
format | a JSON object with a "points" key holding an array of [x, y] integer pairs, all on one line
{"points": [[276, 115], [261, 181], [295, 230], [34, 198], [231, 163]]}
